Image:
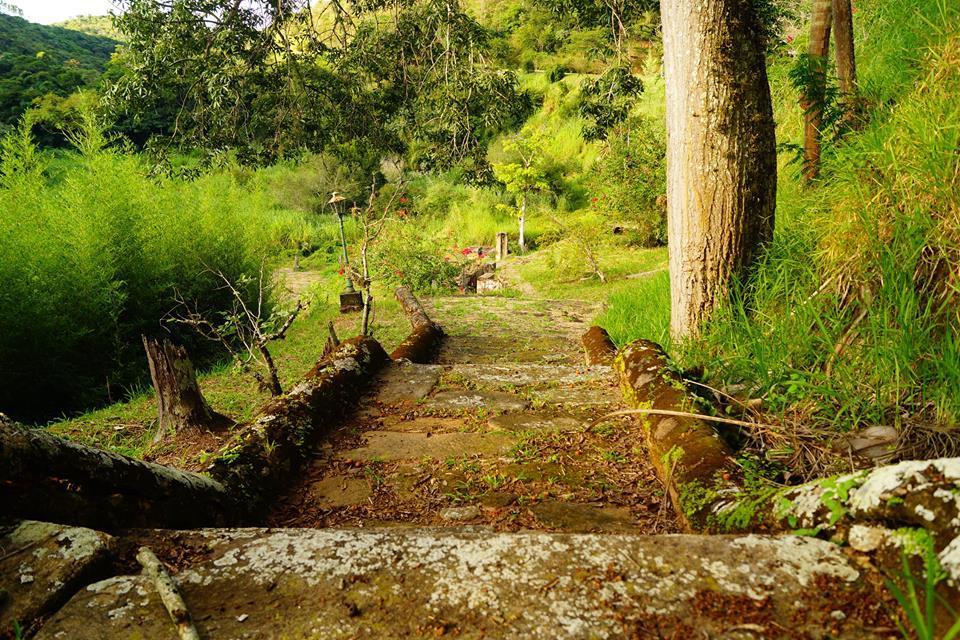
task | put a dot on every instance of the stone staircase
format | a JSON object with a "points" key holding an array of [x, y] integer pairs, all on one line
{"points": [[478, 497]]}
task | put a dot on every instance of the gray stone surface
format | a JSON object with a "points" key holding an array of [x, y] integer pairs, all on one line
{"points": [[406, 382], [598, 396], [408, 583], [464, 400], [500, 376], [41, 566], [535, 422], [392, 445]]}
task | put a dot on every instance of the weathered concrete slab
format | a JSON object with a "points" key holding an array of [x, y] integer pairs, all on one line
{"points": [[340, 491], [497, 349], [596, 396], [502, 376], [392, 445], [422, 424], [406, 382], [518, 422], [41, 565], [463, 400], [419, 582], [583, 518]]}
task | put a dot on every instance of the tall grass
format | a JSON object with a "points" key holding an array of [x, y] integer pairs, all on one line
{"points": [[852, 317], [93, 258]]}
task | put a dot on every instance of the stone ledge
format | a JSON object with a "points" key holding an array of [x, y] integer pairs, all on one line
{"points": [[418, 582]]}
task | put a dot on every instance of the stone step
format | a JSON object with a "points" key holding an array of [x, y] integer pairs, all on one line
{"points": [[501, 376], [42, 565], [394, 445], [409, 582]]}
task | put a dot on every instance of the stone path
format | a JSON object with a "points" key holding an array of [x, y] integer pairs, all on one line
{"points": [[497, 434]]}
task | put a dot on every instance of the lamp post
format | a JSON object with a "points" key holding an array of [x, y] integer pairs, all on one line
{"points": [[350, 299]]}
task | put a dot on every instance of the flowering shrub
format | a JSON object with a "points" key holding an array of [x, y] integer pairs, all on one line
{"points": [[404, 257]]}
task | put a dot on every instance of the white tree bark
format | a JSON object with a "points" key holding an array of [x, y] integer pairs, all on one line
{"points": [[721, 157]]}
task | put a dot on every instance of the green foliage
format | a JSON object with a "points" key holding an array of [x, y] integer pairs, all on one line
{"points": [[37, 60], [607, 100], [629, 182], [100, 26], [918, 597], [269, 83], [406, 257], [91, 256]]}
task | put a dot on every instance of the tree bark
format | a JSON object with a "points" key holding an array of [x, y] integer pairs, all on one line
{"points": [[522, 240], [812, 101], [424, 341], [180, 403], [721, 158], [43, 477]]}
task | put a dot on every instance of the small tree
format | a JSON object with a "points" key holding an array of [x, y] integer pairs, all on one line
{"points": [[373, 220], [525, 176], [246, 329]]}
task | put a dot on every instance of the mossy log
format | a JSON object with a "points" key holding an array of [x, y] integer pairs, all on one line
{"points": [[598, 347], [696, 466], [261, 459], [423, 343], [43, 477]]}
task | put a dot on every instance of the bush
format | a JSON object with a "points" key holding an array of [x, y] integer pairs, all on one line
{"points": [[629, 182], [94, 258], [405, 256]]}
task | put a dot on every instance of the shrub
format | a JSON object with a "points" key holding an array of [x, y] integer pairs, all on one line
{"points": [[93, 258], [628, 184]]}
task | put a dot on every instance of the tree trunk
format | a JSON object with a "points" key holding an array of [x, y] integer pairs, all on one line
{"points": [[523, 224], [424, 341], [812, 102], [273, 379], [721, 158], [846, 59], [180, 403], [43, 477]]}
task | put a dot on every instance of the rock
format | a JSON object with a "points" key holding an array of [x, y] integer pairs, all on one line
{"points": [[599, 395], [491, 401], [391, 445], [405, 583], [878, 443], [460, 514], [488, 283], [43, 565]]}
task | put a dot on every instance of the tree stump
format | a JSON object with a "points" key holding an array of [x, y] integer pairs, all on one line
{"points": [[180, 403]]}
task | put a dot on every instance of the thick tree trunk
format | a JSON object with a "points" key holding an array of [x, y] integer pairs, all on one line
{"points": [[812, 102], [180, 403], [721, 158], [43, 477], [846, 54]]}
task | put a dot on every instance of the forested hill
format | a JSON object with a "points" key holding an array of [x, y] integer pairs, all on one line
{"points": [[92, 25], [36, 60]]}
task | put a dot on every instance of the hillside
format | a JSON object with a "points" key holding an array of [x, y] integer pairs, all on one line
{"points": [[36, 60], [99, 26]]}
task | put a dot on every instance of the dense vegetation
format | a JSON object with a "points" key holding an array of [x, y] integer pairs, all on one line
{"points": [[851, 319], [37, 60]]}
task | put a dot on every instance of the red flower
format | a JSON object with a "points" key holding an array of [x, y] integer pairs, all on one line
{"points": [[467, 251], [341, 271]]}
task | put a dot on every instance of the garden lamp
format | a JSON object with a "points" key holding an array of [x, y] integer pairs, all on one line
{"points": [[350, 299]]}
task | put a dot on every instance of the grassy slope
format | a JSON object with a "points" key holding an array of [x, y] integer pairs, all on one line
{"points": [[877, 238]]}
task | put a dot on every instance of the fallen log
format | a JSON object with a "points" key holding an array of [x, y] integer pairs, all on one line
{"points": [[695, 465], [423, 343], [598, 347], [260, 460], [43, 477]]}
